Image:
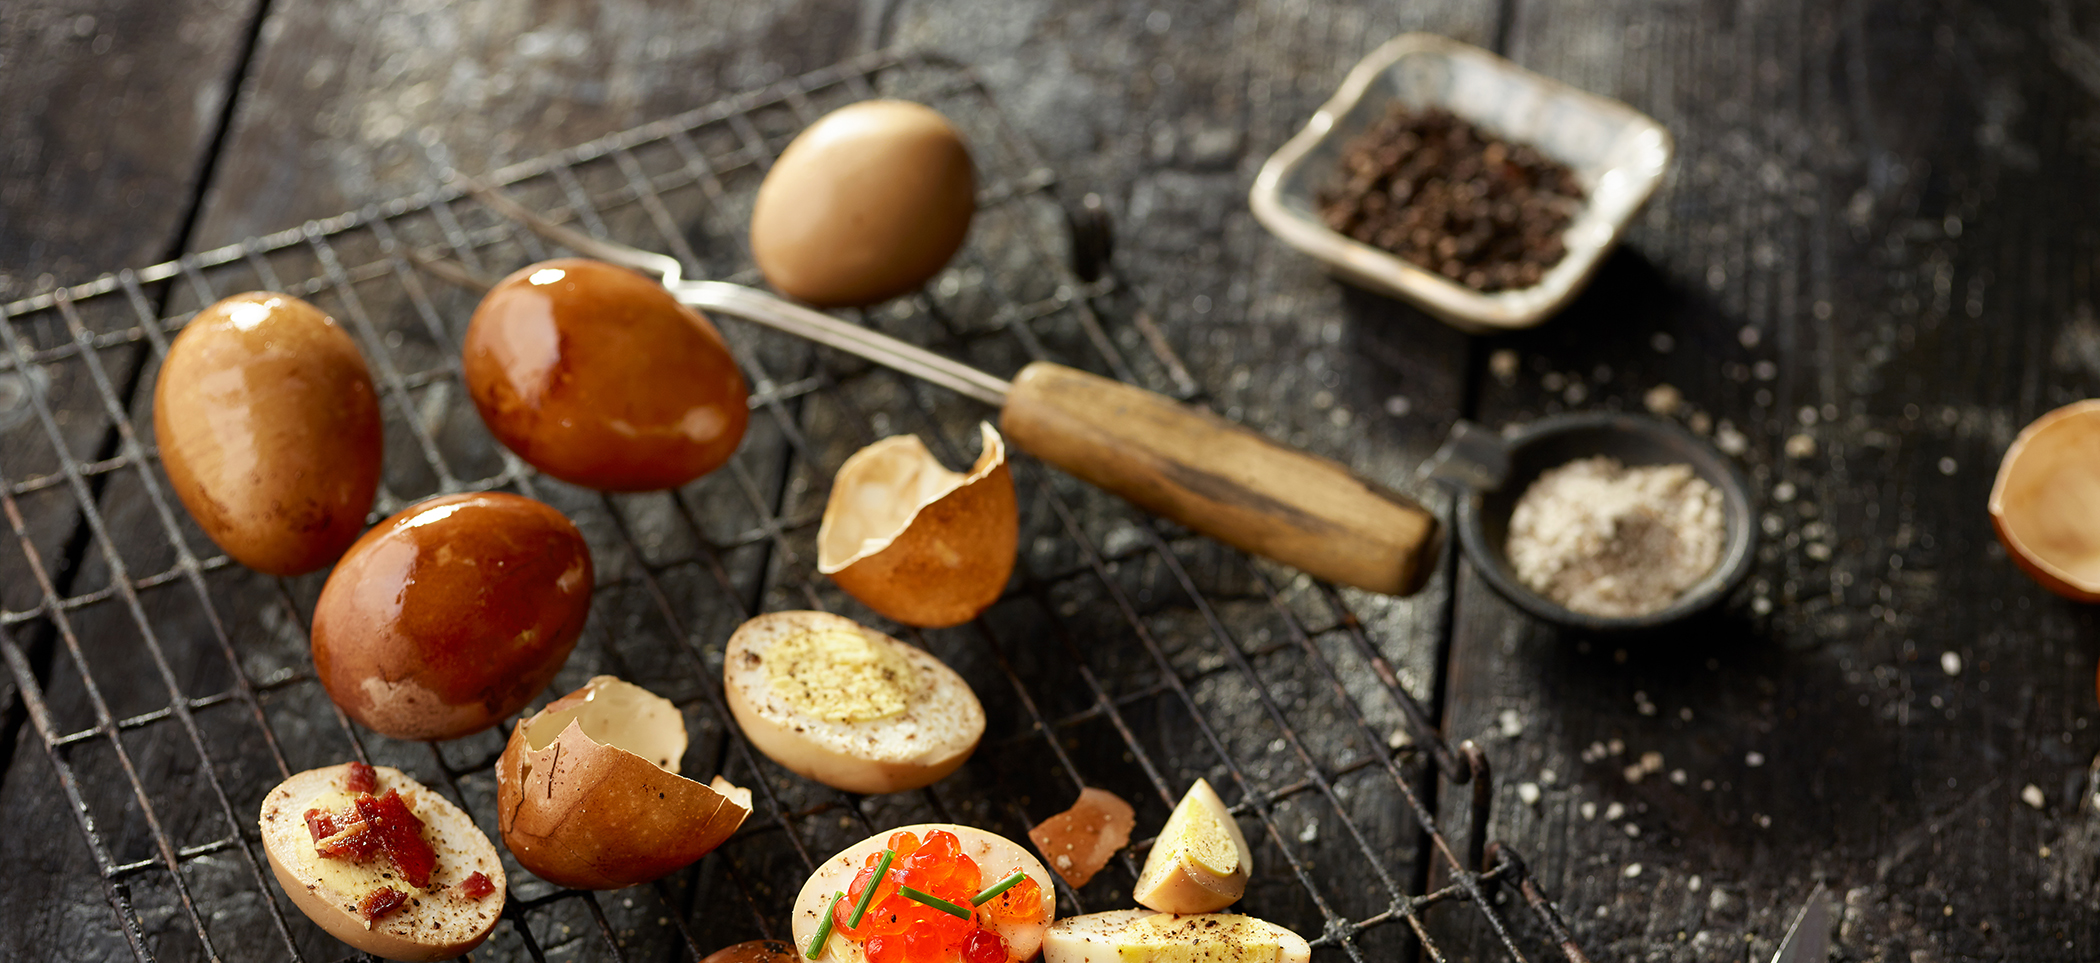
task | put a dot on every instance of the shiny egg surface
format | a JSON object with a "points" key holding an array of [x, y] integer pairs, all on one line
{"points": [[597, 376], [269, 430], [867, 204], [452, 615]]}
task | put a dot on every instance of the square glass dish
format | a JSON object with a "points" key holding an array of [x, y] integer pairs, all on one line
{"points": [[1618, 154]]}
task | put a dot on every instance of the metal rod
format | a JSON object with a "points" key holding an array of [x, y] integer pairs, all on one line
{"points": [[762, 308]]}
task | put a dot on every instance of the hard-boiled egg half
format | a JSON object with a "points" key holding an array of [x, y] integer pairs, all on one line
{"points": [[846, 705], [382, 863], [953, 893], [589, 795], [1200, 862], [1143, 936]]}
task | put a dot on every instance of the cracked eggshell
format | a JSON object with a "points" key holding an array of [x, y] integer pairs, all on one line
{"points": [[916, 542], [588, 792], [2041, 502], [996, 857], [452, 615], [439, 923], [1078, 842], [753, 951]]}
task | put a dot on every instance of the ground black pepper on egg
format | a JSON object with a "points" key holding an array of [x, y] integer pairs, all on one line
{"points": [[1437, 191]]}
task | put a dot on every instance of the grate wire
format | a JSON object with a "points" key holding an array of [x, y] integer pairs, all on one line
{"points": [[395, 272]]}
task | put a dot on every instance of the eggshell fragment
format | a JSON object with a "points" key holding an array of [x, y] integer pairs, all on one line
{"points": [[269, 430], [2045, 503], [588, 792], [598, 376], [935, 730], [916, 542], [754, 951], [446, 618], [1200, 862], [868, 203], [995, 855], [1142, 936], [439, 922], [1079, 841]]}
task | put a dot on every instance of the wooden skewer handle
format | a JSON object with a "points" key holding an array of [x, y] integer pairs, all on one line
{"points": [[1222, 479]]}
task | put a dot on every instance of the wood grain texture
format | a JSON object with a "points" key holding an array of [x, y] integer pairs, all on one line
{"points": [[1870, 268], [1222, 479], [107, 110]]}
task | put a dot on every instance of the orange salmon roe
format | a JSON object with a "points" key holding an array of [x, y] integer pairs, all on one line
{"points": [[898, 929], [1023, 903]]}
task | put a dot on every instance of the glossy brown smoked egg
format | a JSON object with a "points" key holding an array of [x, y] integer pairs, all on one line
{"points": [[597, 376], [452, 615], [269, 430], [865, 205]]}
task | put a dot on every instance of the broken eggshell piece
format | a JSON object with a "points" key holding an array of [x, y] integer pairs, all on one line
{"points": [[916, 542], [589, 795], [1076, 843]]}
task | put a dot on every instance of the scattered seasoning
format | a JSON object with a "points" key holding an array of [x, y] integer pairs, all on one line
{"points": [[860, 906], [928, 899], [816, 943], [1607, 540], [1439, 192], [996, 888]]}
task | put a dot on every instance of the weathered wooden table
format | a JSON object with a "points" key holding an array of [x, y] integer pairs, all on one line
{"points": [[1874, 261]]}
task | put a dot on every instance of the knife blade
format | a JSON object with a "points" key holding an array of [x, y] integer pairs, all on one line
{"points": [[1808, 939]]}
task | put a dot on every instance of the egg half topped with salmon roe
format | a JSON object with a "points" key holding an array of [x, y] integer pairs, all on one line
{"points": [[930, 893]]}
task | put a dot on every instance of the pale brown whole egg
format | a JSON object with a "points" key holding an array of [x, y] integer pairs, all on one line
{"points": [[452, 615], [867, 204], [269, 430]]}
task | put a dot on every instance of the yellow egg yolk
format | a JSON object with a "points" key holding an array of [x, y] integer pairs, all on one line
{"points": [[1202, 841], [840, 676], [1166, 938]]}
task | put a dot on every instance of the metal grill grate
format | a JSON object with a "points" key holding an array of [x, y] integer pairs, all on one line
{"points": [[111, 618]]}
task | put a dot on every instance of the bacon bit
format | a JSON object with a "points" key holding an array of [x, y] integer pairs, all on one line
{"points": [[356, 842], [360, 779], [380, 903], [476, 886], [321, 823], [401, 835]]}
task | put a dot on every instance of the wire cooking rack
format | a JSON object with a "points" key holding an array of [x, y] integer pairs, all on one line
{"points": [[1128, 654]]}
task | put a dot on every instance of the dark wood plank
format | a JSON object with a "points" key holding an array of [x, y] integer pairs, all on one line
{"points": [[108, 110], [1871, 266], [343, 96]]}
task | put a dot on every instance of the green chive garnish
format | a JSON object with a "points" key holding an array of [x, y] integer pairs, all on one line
{"points": [[934, 901], [867, 896], [997, 888], [816, 946]]}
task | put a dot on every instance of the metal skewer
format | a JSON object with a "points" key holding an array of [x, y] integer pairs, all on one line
{"points": [[757, 306]]}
